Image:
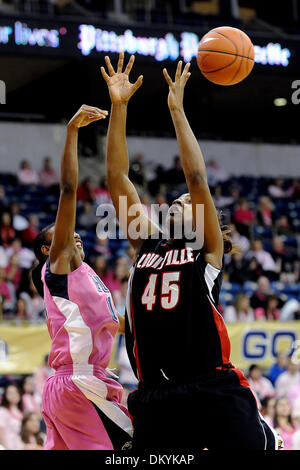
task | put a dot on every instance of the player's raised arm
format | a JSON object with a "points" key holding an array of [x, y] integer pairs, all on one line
{"points": [[117, 162], [194, 166], [63, 245]]}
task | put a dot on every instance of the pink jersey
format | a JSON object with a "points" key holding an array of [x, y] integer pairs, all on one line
{"points": [[81, 318]]}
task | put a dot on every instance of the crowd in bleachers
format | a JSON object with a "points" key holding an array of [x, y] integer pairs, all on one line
{"points": [[261, 280]]}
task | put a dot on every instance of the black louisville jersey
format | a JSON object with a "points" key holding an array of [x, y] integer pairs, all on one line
{"points": [[173, 327]]}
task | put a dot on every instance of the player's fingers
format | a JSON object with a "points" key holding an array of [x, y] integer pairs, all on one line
{"points": [[178, 70], [186, 69], [109, 66], [103, 111], [167, 77], [99, 111], [96, 117], [96, 114], [120, 62], [93, 109], [129, 65], [187, 77], [104, 74], [138, 83]]}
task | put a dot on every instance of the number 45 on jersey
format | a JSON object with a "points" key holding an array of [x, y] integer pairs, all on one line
{"points": [[168, 291]]}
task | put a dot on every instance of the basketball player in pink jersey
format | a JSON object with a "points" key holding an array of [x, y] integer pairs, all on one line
{"points": [[81, 405]]}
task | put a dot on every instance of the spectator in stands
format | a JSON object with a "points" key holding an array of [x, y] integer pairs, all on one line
{"points": [[130, 255], [259, 384], [265, 212], [278, 367], [34, 303], [11, 415], [240, 310], [48, 176], [30, 400], [268, 410], [240, 240], [286, 261], [264, 258], [120, 307], [236, 270], [271, 312], [102, 193], [261, 295], [175, 176], [296, 411], [101, 269], [88, 219], [3, 257], [296, 440], [13, 272], [29, 234], [252, 269], [21, 311], [101, 246], [27, 176], [282, 225], [296, 189], [215, 174], [288, 379], [294, 394], [278, 249], [283, 422], [4, 202], [276, 190], [26, 256], [7, 232], [19, 222], [5, 291], [41, 376], [113, 281], [137, 171], [155, 185], [243, 218], [31, 435], [221, 201], [86, 191]]}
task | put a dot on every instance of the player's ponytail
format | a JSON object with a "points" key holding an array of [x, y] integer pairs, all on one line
{"points": [[36, 272]]}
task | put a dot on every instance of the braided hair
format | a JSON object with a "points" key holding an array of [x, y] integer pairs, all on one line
{"points": [[40, 240]]}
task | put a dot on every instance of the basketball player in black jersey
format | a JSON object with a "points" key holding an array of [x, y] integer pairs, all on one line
{"points": [[189, 396]]}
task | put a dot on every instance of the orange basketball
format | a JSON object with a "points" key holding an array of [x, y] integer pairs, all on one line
{"points": [[225, 55]]}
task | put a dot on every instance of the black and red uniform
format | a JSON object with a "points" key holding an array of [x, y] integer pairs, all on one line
{"points": [[189, 395]]}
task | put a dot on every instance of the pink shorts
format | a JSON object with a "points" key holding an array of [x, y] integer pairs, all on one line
{"points": [[82, 410]]}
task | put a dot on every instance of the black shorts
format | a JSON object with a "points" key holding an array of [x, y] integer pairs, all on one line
{"points": [[215, 411]]}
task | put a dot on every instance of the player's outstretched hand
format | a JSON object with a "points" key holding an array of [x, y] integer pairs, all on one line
{"points": [[176, 88], [120, 89], [85, 115]]}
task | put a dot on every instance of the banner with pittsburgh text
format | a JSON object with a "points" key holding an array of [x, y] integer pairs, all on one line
{"points": [[22, 348]]}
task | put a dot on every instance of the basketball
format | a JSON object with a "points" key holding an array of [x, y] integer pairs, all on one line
{"points": [[225, 55]]}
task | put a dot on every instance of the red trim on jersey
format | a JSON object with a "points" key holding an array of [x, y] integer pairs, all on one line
{"points": [[223, 335], [243, 381], [135, 343]]}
